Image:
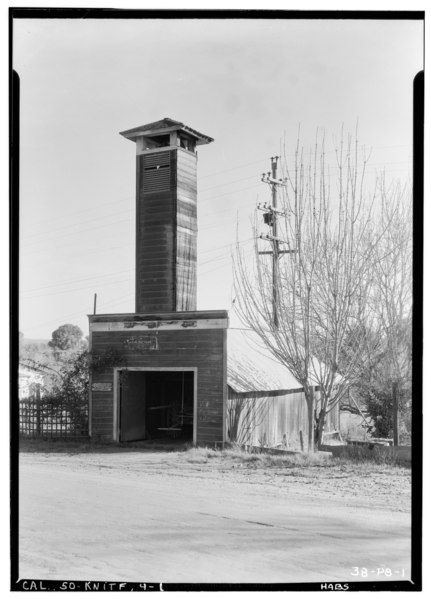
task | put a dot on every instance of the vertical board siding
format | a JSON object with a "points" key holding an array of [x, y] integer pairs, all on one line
{"points": [[186, 220], [273, 420], [155, 232], [201, 349], [166, 230]]}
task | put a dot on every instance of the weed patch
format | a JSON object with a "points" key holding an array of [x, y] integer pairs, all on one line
{"points": [[348, 458], [364, 455]]}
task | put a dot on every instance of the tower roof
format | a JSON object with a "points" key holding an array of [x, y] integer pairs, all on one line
{"points": [[163, 126]]}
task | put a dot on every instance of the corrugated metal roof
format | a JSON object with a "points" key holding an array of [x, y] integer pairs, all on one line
{"points": [[251, 367]]}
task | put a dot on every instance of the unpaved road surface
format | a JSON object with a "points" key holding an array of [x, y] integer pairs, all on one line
{"points": [[161, 517]]}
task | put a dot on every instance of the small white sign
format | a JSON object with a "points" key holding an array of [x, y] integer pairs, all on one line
{"points": [[101, 387]]}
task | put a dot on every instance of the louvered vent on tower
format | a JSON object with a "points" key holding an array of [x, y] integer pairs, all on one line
{"points": [[166, 215], [156, 172]]}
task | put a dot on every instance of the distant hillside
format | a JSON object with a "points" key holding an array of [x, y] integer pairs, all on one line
{"points": [[25, 341]]}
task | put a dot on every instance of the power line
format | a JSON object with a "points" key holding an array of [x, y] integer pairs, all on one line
{"points": [[119, 300], [260, 161], [224, 256], [74, 289], [290, 155], [82, 231], [132, 200], [92, 278], [227, 245], [122, 212], [85, 252], [76, 212], [227, 183], [76, 314], [115, 223], [211, 270], [79, 223], [235, 168]]}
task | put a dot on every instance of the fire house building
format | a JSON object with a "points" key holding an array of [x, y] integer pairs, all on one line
{"points": [[163, 368], [168, 368]]}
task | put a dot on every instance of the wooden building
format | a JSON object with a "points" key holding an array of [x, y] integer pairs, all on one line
{"points": [[168, 372], [162, 369], [168, 368], [266, 405]]}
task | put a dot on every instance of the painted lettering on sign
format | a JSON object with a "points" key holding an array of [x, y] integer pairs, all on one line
{"points": [[149, 325], [142, 342], [101, 387]]}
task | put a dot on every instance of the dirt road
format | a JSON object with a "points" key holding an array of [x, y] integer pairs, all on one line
{"points": [[152, 517]]}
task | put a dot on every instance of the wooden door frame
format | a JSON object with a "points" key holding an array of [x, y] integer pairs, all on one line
{"points": [[116, 406]]}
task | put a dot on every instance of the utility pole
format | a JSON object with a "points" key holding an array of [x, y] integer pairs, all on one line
{"points": [[270, 218], [276, 245], [395, 398]]}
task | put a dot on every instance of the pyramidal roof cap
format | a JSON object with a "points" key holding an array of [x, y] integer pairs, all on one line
{"points": [[165, 125]]}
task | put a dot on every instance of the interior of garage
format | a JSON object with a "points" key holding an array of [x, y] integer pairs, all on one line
{"points": [[156, 404]]}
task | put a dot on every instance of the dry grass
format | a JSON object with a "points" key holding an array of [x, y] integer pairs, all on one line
{"points": [[352, 478], [64, 445], [361, 458]]}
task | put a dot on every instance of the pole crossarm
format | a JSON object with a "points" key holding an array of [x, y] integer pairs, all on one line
{"points": [[268, 208], [271, 238], [266, 178], [281, 252]]}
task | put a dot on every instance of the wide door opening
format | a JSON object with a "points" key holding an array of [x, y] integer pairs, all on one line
{"points": [[156, 404]]}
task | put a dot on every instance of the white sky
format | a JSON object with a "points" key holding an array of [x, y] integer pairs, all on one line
{"points": [[246, 83]]}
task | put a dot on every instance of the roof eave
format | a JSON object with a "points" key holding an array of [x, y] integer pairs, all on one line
{"points": [[133, 134]]}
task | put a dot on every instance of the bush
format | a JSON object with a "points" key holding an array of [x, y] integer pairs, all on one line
{"points": [[379, 406]]}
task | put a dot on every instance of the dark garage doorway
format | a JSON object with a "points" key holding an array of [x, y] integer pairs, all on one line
{"points": [[156, 404]]}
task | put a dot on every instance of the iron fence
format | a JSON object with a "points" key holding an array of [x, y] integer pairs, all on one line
{"points": [[38, 418]]}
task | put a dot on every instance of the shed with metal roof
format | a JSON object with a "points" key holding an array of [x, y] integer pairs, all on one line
{"points": [[266, 404]]}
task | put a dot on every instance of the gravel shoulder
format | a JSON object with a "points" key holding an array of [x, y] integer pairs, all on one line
{"points": [[371, 484], [202, 516]]}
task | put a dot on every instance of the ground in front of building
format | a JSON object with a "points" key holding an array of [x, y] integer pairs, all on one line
{"points": [[199, 516]]}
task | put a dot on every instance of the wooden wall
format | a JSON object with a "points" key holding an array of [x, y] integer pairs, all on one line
{"points": [[166, 231], [155, 232], [273, 418], [202, 348], [186, 244]]}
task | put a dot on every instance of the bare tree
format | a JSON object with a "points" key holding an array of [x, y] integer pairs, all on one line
{"points": [[392, 282], [389, 375], [244, 415], [327, 224]]}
